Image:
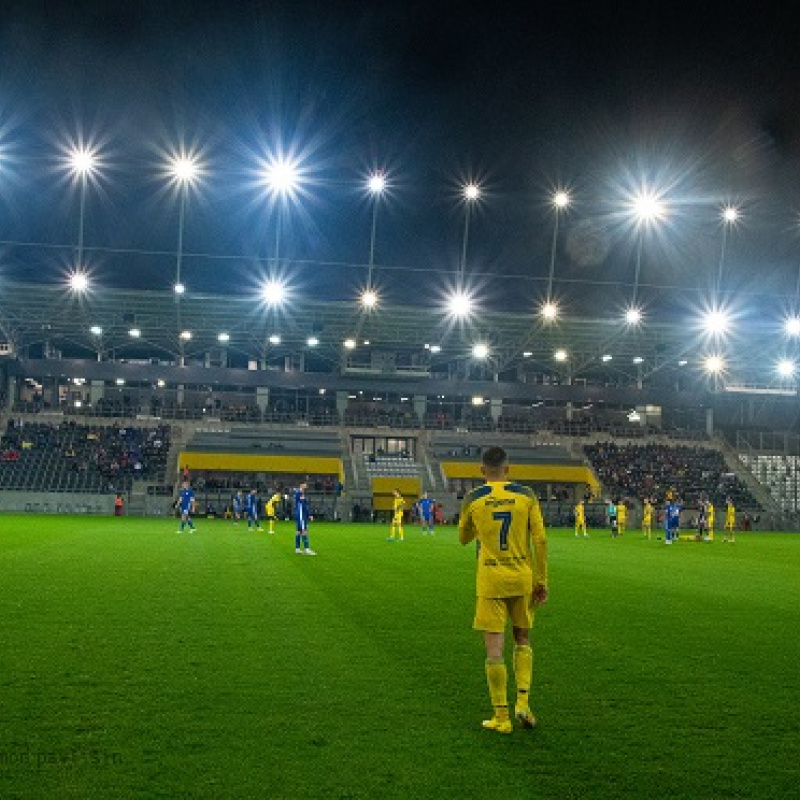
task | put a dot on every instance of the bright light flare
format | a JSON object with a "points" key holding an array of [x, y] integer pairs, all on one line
{"points": [[274, 293], [79, 282], [730, 214], [460, 305], [282, 176], [312, 341], [792, 326], [713, 365], [716, 322], [561, 199], [96, 330], [223, 338], [786, 368], [480, 351], [633, 316], [471, 192], [274, 339], [369, 298], [83, 161], [550, 311], [349, 344], [186, 336], [561, 355], [647, 207], [184, 169], [135, 333], [376, 183], [179, 288]]}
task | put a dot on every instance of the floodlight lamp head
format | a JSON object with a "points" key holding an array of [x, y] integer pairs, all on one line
{"points": [[633, 316], [472, 192], [460, 305], [648, 207], [369, 298], [480, 351], [550, 311], [83, 161], [184, 169], [714, 365], [561, 199], [377, 183], [786, 368], [730, 214], [792, 326], [282, 177], [79, 282], [274, 293]]}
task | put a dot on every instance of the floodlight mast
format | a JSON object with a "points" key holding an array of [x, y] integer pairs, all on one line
{"points": [[647, 208], [184, 171], [560, 201], [376, 187], [83, 162], [729, 215], [471, 193]]}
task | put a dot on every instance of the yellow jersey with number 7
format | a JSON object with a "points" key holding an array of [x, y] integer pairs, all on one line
{"points": [[506, 520]]}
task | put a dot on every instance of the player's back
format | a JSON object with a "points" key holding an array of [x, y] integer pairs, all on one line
{"points": [[503, 516]]}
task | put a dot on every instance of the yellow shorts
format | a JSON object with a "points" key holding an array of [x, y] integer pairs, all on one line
{"points": [[397, 519], [492, 613]]}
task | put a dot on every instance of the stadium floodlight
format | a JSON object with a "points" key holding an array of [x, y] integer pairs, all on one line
{"points": [[560, 355], [161, 383], [186, 335], [96, 330], [683, 362], [350, 344], [312, 341], [633, 316], [477, 400], [638, 360], [83, 161], [179, 288], [648, 207], [376, 183], [471, 192], [184, 169], [223, 337], [274, 293], [369, 299], [460, 305], [435, 348], [606, 358], [792, 326], [526, 353], [561, 198], [729, 214], [78, 404], [282, 176], [480, 350], [79, 282], [716, 322], [714, 365], [120, 381], [134, 333], [274, 339], [786, 368], [549, 311]]}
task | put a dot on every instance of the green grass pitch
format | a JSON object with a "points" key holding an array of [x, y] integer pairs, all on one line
{"points": [[135, 662]]}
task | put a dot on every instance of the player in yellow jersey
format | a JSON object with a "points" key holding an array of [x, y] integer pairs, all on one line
{"points": [[622, 517], [271, 510], [730, 519], [709, 522], [398, 504], [647, 518], [580, 518], [505, 519]]}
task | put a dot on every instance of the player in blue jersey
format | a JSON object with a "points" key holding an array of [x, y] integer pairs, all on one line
{"points": [[237, 505], [672, 519], [251, 507], [302, 515], [425, 506], [186, 506]]}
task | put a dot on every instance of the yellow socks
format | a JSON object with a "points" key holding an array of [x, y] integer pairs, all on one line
{"points": [[523, 671], [496, 678]]}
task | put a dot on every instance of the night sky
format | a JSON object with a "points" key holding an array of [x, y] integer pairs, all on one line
{"points": [[602, 97]]}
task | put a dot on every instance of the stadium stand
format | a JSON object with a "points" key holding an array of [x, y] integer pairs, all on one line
{"points": [[69, 457], [780, 474], [649, 470]]}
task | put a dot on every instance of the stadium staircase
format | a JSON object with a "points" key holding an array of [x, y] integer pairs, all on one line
{"points": [[741, 468]]}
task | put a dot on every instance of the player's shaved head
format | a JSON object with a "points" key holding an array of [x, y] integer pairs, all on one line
{"points": [[494, 462]]}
